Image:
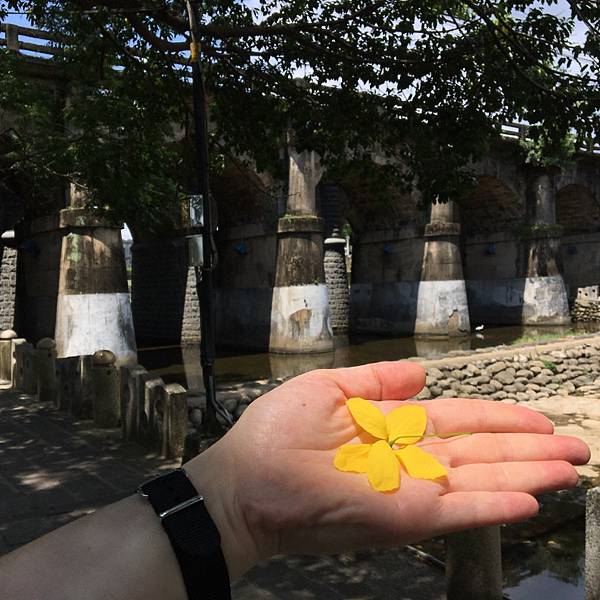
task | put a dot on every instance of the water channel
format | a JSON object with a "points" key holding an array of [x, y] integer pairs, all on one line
{"points": [[542, 559]]}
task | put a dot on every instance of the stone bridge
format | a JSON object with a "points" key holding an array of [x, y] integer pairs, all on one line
{"points": [[522, 246]]}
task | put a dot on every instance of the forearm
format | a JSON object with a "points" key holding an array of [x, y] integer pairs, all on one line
{"points": [[121, 552]]}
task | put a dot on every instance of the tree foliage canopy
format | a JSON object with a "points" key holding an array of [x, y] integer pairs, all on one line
{"points": [[423, 86]]}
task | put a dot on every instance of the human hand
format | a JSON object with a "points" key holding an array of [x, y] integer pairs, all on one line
{"points": [[271, 486]]}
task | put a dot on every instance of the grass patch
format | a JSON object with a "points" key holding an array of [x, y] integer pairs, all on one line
{"points": [[530, 338]]}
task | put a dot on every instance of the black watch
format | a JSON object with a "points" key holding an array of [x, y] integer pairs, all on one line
{"points": [[193, 534]]}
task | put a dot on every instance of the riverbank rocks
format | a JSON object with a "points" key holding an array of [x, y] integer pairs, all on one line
{"points": [[530, 373], [235, 398]]}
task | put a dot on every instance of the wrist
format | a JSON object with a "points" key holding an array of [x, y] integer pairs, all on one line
{"points": [[213, 476]]}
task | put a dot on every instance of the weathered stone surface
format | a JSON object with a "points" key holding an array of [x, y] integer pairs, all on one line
{"points": [[467, 389], [505, 378], [524, 373], [496, 367], [435, 373]]}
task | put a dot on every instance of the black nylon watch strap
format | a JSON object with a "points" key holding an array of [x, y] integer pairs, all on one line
{"points": [[194, 536]]}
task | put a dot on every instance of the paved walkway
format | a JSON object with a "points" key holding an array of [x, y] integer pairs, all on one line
{"points": [[54, 469]]}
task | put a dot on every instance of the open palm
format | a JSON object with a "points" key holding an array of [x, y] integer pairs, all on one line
{"points": [[290, 498]]}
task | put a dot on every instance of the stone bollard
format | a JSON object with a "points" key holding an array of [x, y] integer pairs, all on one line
{"points": [[6, 358], [106, 389], [474, 565], [132, 400], [592, 545], [25, 371], [47, 383], [152, 394], [177, 419]]}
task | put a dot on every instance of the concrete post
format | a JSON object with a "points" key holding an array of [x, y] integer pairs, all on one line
{"points": [[545, 300], [6, 358], [25, 371], [442, 308], [93, 309], [177, 417], [106, 389], [132, 400], [46, 365], [152, 394], [300, 320], [592, 544], [474, 565], [337, 282]]}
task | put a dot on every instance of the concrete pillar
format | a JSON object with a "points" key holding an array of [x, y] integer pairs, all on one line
{"points": [[47, 387], [337, 282], [106, 389], [93, 308], [6, 355], [592, 544], [474, 565], [545, 300], [8, 281], [442, 308], [300, 321]]}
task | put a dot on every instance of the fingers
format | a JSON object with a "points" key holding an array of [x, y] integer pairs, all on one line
{"points": [[529, 477], [466, 510], [510, 447], [462, 414], [396, 380]]}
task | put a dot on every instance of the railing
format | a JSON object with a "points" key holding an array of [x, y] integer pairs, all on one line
{"points": [[10, 37]]}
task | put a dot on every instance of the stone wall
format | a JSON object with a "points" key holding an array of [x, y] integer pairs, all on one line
{"points": [[585, 310], [164, 302], [38, 272], [8, 283], [581, 260], [517, 375]]}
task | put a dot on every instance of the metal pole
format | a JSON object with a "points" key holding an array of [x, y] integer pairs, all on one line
{"points": [[204, 274]]}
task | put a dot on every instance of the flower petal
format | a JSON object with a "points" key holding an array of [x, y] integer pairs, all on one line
{"points": [[383, 468], [371, 419], [420, 464], [409, 420], [352, 457]]}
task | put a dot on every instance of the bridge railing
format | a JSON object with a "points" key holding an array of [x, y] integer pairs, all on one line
{"points": [[15, 38]]}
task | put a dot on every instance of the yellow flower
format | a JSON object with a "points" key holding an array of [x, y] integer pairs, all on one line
{"points": [[396, 433]]}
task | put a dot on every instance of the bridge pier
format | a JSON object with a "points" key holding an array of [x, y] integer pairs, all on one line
{"points": [[442, 307], [545, 300], [93, 310], [300, 321]]}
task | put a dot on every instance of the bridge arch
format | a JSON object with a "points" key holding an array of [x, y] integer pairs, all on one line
{"points": [[492, 207], [577, 210]]}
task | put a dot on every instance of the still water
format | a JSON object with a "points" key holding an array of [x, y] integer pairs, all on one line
{"points": [[542, 559], [181, 365]]}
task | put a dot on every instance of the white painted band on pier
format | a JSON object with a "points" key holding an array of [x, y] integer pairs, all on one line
{"points": [[86, 323], [300, 319], [545, 301], [442, 308]]}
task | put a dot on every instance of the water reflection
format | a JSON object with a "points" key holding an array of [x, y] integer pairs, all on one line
{"points": [[182, 365]]}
